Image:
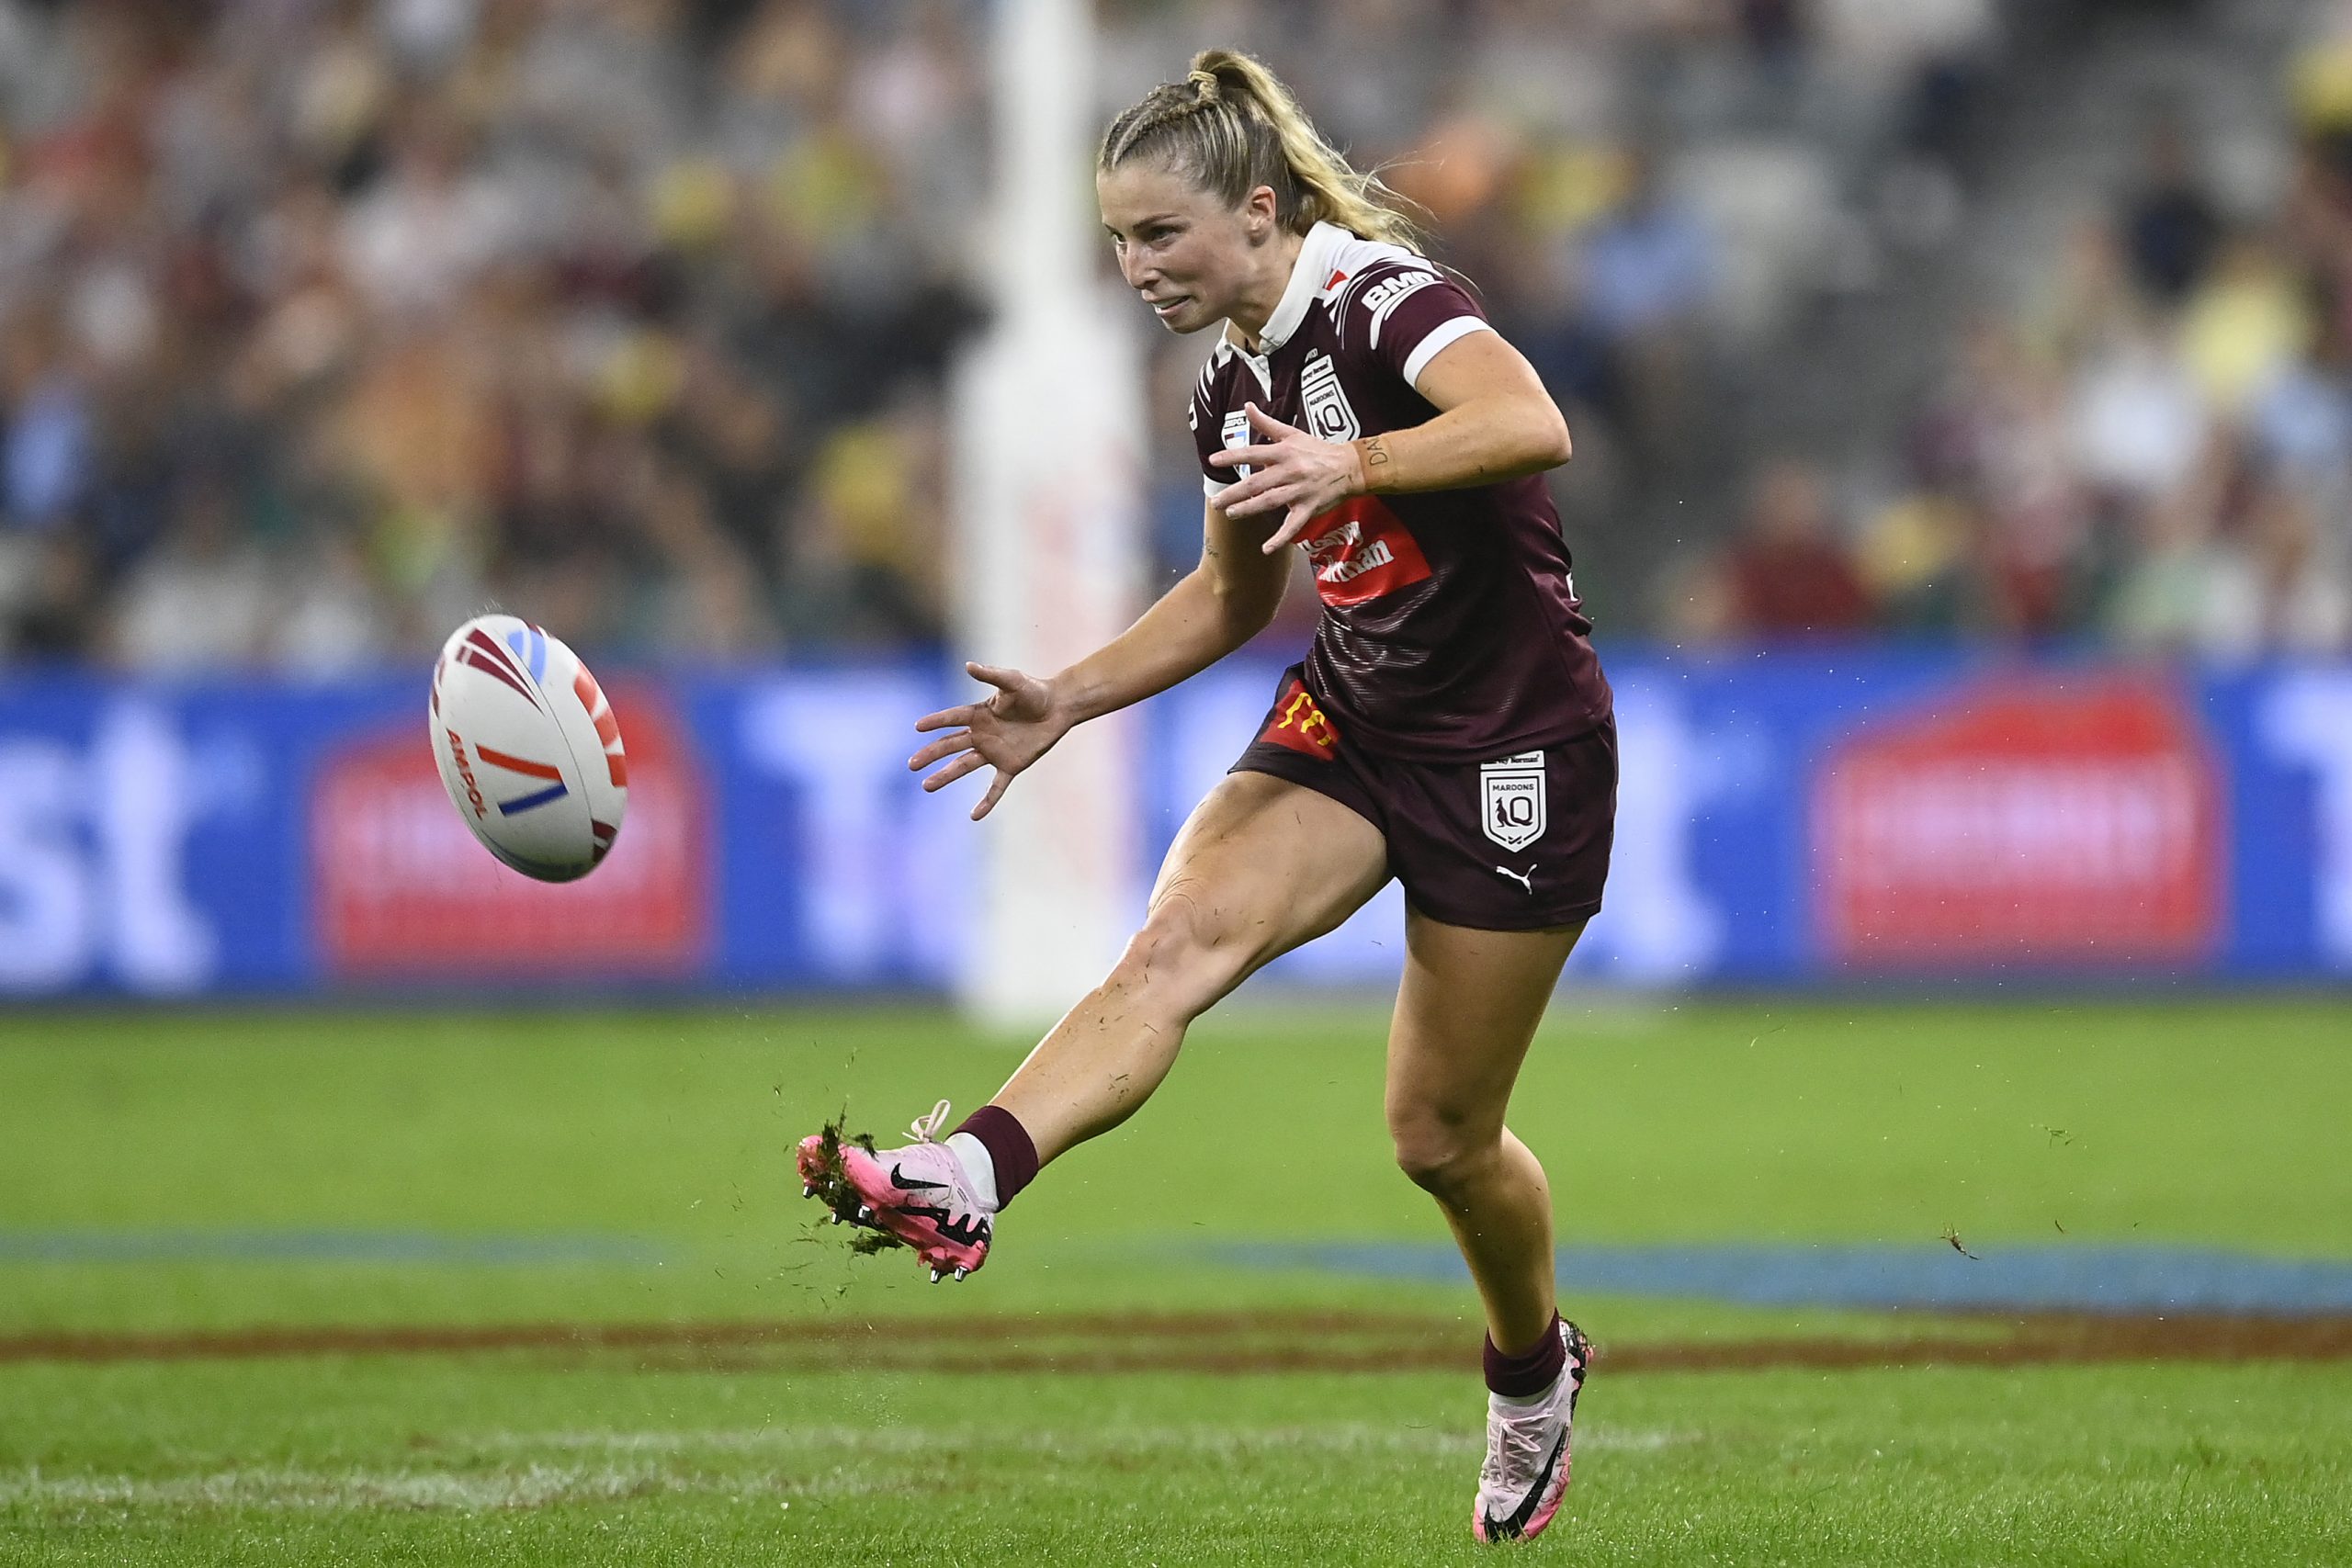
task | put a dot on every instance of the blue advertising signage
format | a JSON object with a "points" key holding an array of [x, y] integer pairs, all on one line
{"points": [[1834, 816]]}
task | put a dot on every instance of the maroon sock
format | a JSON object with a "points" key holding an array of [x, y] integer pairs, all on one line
{"points": [[1009, 1146], [1533, 1370]]}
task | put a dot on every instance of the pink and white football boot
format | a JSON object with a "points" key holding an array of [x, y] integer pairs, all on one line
{"points": [[1526, 1473], [920, 1194]]}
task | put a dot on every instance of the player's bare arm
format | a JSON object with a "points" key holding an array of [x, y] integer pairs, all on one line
{"points": [[1216, 607], [1495, 422]]}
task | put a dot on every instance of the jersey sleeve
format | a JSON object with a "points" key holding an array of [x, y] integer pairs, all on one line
{"points": [[1403, 314], [1208, 425]]}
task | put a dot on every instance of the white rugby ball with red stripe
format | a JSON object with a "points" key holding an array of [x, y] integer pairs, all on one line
{"points": [[528, 747]]}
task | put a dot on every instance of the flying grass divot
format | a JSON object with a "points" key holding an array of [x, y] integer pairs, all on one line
{"points": [[841, 1201]]}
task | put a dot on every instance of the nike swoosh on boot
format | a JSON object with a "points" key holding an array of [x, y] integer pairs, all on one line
{"points": [[1512, 1527]]}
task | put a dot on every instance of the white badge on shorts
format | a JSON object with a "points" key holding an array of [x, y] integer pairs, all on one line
{"points": [[1511, 799]]}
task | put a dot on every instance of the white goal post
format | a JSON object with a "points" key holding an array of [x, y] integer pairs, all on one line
{"points": [[1048, 467]]}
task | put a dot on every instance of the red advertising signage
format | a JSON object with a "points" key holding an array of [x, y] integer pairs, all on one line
{"points": [[2029, 821], [402, 889]]}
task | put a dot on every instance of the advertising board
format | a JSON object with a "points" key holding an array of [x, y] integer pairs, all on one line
{"points": [[1785, 819]]}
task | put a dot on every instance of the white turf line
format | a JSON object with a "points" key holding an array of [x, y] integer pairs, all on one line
{"points": [[269, 1487], [1357, 1436], [540, 1484]]}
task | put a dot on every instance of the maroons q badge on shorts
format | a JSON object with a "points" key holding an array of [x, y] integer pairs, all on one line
{"points": [[1511, 799]]}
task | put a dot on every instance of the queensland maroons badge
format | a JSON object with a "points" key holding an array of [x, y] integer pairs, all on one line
{"points": [[1511, 799], [1329, 414]]}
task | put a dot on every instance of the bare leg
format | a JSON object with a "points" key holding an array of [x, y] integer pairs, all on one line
{"points": [[1465, 1013], [1262, 865]]}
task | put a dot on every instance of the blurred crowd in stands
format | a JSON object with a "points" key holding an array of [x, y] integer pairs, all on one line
{"points": [[325, 322], [2154, 451]]}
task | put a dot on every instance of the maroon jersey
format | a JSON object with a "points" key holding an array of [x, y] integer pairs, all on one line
{"points": [[1451, 629]]}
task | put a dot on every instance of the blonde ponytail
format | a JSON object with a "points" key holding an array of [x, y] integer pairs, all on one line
{"points": [[1231, 126]]}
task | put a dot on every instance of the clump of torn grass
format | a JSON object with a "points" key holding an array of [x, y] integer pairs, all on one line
{"points": [[840, 1197]]}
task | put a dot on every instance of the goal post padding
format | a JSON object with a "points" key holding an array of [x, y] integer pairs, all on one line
{"points": [[1048, 457]]}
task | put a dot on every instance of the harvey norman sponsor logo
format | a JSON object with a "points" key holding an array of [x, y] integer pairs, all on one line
{"points": [[400, 888], [1363, 551], [2030, 822]]}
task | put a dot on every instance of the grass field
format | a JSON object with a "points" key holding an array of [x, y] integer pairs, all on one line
{"points": [[563, 1303]]}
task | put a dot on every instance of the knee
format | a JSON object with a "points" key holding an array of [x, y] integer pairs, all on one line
{"points": [[1186, 942], [1442, 1156]]}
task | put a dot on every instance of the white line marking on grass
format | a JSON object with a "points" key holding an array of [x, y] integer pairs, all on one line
{"points": [[534, 1487], [539, 1484], [1346, 1438], [1628, 1441], [924, 1439]]}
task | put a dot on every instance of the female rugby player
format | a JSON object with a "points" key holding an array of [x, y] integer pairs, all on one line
{"points": [[1450, 726]]}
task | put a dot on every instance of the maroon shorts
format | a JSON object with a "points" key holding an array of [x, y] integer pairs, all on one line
{"points": [[1513, 843]]}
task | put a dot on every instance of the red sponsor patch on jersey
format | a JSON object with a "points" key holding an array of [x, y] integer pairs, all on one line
{"points": [[1298, 722], [1337, 278], [1360, 550]]}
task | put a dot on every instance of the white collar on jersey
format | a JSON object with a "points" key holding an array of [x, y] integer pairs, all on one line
{"points": [[1317, 254]]}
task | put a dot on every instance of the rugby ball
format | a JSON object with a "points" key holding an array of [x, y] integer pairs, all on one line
{"points": [[528, 747]]}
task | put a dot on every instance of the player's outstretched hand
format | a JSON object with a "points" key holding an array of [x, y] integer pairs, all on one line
{"points": [[1008, 730], [1290, 472]]}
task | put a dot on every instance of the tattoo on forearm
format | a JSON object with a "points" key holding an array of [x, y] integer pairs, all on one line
{"points": [[1378, 466]]}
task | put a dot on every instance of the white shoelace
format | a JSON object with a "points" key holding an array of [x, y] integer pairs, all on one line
{"points": [[1517, 1444], [926, 1128]]}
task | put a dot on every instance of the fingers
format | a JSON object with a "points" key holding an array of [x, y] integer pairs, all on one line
{"points": [[995, 794], [957, 718], [1273, 498], [956, 769], [1256, 456], [1008, 683], [998, 676], [1265, 423], [947, 718], [1241, 491], [945, 746], [1241, 499], [1294, 523]]}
